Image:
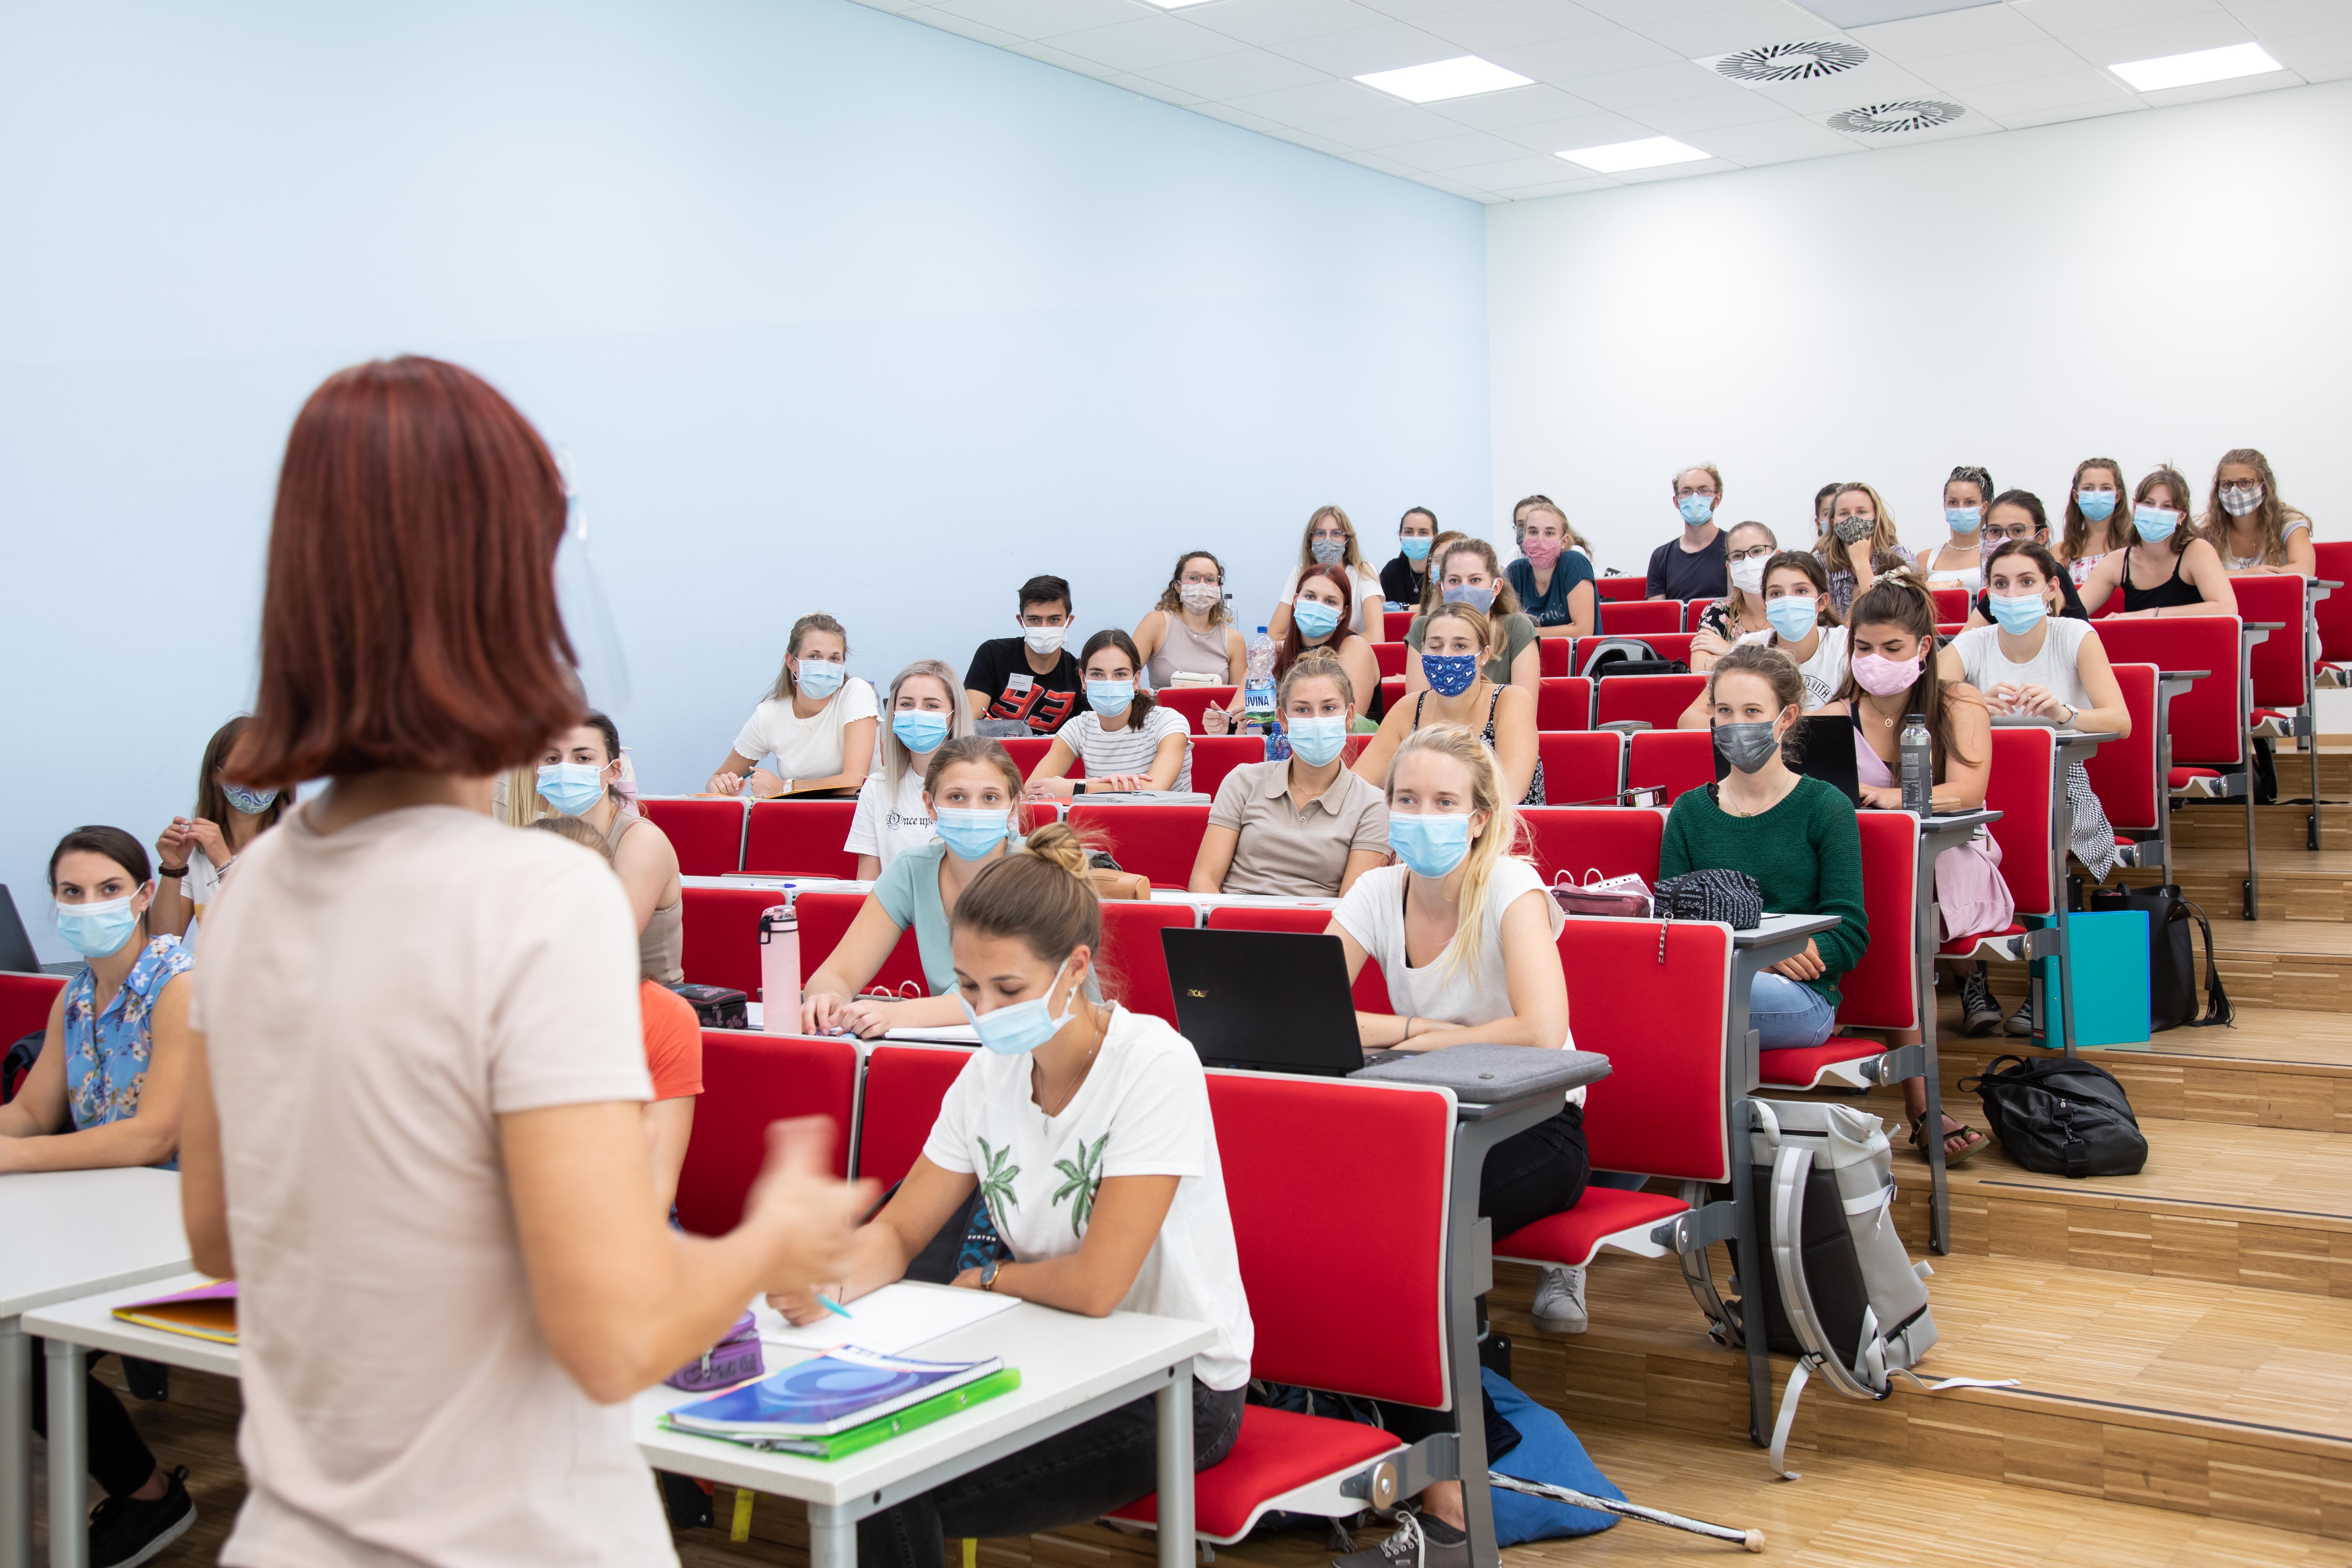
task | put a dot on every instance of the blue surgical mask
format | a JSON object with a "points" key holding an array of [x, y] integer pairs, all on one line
{"points": [[2096, 504], [1315, 618], [1017, 1030], [1963, 519], [1429, 845], [1695, 510], [2020, 615], [1479, 599], [819, 677], [919, 730], [971, 834], [1110, 696], [252, 802], [1415, 547], [1449, 674], [572, 788], [96, 930], [1316, 739], [2154, 524], [1794, 616]]}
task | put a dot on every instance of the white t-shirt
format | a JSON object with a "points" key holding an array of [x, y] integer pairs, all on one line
{"points": [[2057, 668], [374, 1000], [1365, 599], [886, 832], [806, 748], [1373, 913], [1824, 672], [1143, 1110], [1130, 749]]}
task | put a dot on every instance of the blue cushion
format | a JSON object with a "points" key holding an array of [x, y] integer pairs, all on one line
{"points": [[1548, 1452]]}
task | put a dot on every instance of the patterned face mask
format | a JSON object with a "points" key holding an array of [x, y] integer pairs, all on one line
{"points": [[1854, 530], [2240, 500]]}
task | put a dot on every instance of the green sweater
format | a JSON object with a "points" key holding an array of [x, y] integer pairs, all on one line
{"points": [[1805, 854]]}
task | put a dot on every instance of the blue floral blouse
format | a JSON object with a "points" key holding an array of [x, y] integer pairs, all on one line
{"points": [[107, 1052]]}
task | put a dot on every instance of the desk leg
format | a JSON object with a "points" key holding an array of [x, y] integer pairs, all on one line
{"points": [[1749, 1220], [68, 1467], [15, 1447], [833, 1536], [1939, 1194], [1175, 1410], [2063, 820], [1464, 1236]]}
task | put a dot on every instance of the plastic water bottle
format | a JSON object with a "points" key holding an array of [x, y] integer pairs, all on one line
{"points": [[1257, 691], [1915, 750], [779, 970]]}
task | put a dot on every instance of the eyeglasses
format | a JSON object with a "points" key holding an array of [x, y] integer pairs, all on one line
{"points": [[1758, 554], [2023, 530], [1681, 490]]}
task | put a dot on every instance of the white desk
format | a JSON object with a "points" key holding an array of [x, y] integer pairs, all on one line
{"points": [[67, 1233]]}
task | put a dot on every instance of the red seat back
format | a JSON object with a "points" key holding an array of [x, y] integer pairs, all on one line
{"points": [[1552, 655], [904, 1086], [1028, 751], [1564, 702], [1661, 1110], [719, 936], [1214, 756], [1581, 767], [2208, 722], [1192, 701], [2124, 772], [707, 834], [1132, 953], [25, 1003], [1665, 644], [1657, 699], [1671, 760], [1881, 991], [1951, 605], [1161, 842], [826, 918], [2333, 614], [1693, 609], [1371, 986], [1610, 840], [1388, 658], [2280, 663], [1301, 1157], [2023, 776], [1611, 590], [800, 838], [747, 1081], [1392, 692], [1394, 624], [1636, 618]]}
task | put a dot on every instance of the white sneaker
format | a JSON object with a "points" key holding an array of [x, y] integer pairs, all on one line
{"points": [[1559, 1301]]}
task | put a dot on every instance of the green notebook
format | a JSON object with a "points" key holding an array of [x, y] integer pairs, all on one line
{"points": [[840, 1444]]}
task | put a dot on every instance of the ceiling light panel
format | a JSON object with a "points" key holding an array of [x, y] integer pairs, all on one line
{"points": [[1442, 79], [1622, 157], [2192, 69]]}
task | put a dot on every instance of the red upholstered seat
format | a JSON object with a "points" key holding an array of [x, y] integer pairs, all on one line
{"points": [[2181, 778], [25, 1003], [2279, 667], [1133, 955], [904, 1086], [1617, 589], [1610, 839], [1951, 605], [1278, 1451], [1574, 1235], [1809, 1067], [747, 1081], [1552, 655], [1963, 946], [719, 936], [1371, 986], [1663, 1110], [2332, 617], [2022, 785], [2123, 773], [1192, 702], [1583, 767], [826, 918], [1639, 618], [1564, 701], [1394, 624], [1392, 692], [1665, 644], [1028, 751], [1881, 991], [800, 838], [1159, 842], [707, 834], [1388, 658], [1672, 759], [1657, 700], [1695, 610], [1214, 756]]}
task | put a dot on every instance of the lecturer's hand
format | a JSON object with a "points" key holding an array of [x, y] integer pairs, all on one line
{"points": [[802, 1215]]}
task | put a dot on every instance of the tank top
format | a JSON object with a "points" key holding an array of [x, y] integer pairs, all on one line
{"points": [[1187, 652], [661, 946], [2165, 596], [1535, 795]]}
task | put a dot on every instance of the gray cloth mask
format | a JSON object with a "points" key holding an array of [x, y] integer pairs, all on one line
{"points": [[1328, 551], [1746, 747], [1854, 530]]}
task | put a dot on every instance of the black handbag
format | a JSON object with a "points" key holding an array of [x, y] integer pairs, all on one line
{"points": [[2171, 959], [716, 1006], [2061, 1116]]}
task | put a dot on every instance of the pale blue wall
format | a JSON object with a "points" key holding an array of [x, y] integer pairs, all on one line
{"points": [[833, 311]]}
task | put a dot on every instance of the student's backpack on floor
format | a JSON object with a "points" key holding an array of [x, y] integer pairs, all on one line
{"points": [[2061, 1116], [1629, 656]]}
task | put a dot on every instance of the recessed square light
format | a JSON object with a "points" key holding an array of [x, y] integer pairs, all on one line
{"points": [[1620, 157], [2203, 66], [1442, 79]]}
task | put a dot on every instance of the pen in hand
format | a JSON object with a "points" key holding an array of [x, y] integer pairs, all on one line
{"points": [[829, 1304]]}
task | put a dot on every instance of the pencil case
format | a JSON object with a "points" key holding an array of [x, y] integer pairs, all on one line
{"points": [[735, 1358]]}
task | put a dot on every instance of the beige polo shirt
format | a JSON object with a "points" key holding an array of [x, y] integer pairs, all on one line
{"points": [[1286, 849]]}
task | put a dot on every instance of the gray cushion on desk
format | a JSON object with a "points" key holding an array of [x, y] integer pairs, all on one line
{"points": [[1484, 1074]]}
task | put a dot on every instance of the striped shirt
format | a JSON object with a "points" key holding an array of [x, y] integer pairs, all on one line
{"points": [[1129, 750]]}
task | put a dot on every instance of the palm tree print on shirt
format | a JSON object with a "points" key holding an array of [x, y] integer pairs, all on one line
{"points": [[1082, 1175], [997, 1183]]}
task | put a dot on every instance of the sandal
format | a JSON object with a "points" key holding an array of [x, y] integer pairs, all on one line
{"points": [[1976, 1140]]}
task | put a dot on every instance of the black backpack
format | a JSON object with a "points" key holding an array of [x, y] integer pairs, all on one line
{"points": [[1629, 656], [2172, 958], [2061, 1116]]}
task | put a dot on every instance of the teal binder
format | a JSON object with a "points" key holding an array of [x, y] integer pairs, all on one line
{"points": [[2110, 975]]}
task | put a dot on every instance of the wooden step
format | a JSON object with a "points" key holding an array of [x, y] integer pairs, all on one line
{"points": [[2215, 825], [2298, 885]]}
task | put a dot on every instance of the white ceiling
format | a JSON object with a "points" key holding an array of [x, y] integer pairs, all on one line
{"points": [[1619, 70]]}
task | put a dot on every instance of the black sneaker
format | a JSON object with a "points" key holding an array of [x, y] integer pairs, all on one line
{"points": [[2022, 1021], [1979, 1014], [125, 1532]]}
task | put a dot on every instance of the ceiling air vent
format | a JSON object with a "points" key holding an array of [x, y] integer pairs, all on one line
{"points": [[1791, 62], [1912, 114]]}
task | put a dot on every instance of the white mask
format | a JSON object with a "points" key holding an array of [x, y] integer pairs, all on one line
{"points": [[1747, 575], [1200, 598], [1045, 639]]}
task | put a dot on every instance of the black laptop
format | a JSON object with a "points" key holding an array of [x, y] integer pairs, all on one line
{"points": [[1271, 1001], [1820, 747], [16, 948]]}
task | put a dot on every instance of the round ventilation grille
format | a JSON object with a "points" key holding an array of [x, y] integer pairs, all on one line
{"points": [[1791, 62], [1912, 114]]}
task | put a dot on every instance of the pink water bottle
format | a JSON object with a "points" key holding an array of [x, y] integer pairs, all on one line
{"points": [[779, 970]]}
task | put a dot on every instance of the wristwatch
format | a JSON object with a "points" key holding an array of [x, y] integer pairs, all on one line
{"points": [[2072, 713], [988, 1273]]}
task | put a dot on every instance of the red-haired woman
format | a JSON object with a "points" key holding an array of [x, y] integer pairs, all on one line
{"points": [[413, 1128]]}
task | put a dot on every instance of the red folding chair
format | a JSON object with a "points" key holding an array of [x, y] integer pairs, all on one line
{"points": [[707, 834], [1665, 644], [25, 1004], [1564, 702], [2127, 775], [1214, 756], [1552, 655], [1584, 767], [1137, 963], [1610, 840], [899, 1104], [800, 838], [747, 1081], [1639, 618], [2332, 615], [1882, 991], [1028, 751], [718, 939], [2279, 667], [1693, 610], [1371, 986], [1158, 842], [826, 918], [1951, 605], [1388, 658], [1657, 700], [2206, 724], [1615, 590], [1192, 702], [1672, 760]]}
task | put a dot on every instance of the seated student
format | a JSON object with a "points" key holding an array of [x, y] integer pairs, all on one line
{"points": [[1028, 684], [1085, 1130], [1331, 541], [194, 852], [1747, 546], [1822, 498], [1405, 580], [106, 1091], [891, 818], [972, 790], [1577, 543], [1892, 674], [1189, 638], [1796, 835], [2018, 515], [1859, 546], [2184, 573], [1302, 825], [1460, 689], [1800, 624], [2252, 529], [2096, 523], [1125, 737], [1319, 627], [818, 722], [1467, 936], [673, 1048], [1690, 566], [1553, 582], [1956, 560], [580, 775], [1469, 573]]}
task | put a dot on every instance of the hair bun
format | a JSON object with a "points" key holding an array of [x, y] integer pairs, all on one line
{"points": [[1058, 844]]}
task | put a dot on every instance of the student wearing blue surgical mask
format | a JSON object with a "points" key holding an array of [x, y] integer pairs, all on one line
{"points": [[1085, 1130], [1127, 740], [1404, 580], [107, 1091], [972, 791], [1691, 564], [2096, 522], [1303, 825], [1458, 656], [925, 709], [1469, 573], [1318, 626], [1801, 623], [583, 774], [818, 724], [195, 853], [2166, 568], [1956, 560], [1331, 541]]}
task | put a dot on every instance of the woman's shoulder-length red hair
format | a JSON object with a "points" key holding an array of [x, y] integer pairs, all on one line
{"points": [[410, 618]]}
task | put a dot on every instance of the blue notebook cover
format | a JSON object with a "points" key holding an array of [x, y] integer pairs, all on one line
{"points": [[826, 1393]]}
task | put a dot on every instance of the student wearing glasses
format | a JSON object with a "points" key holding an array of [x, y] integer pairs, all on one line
{"points": [[1691, 566], [1747, 546], [1331, 541], [2016, 516], [1189, 638]]}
